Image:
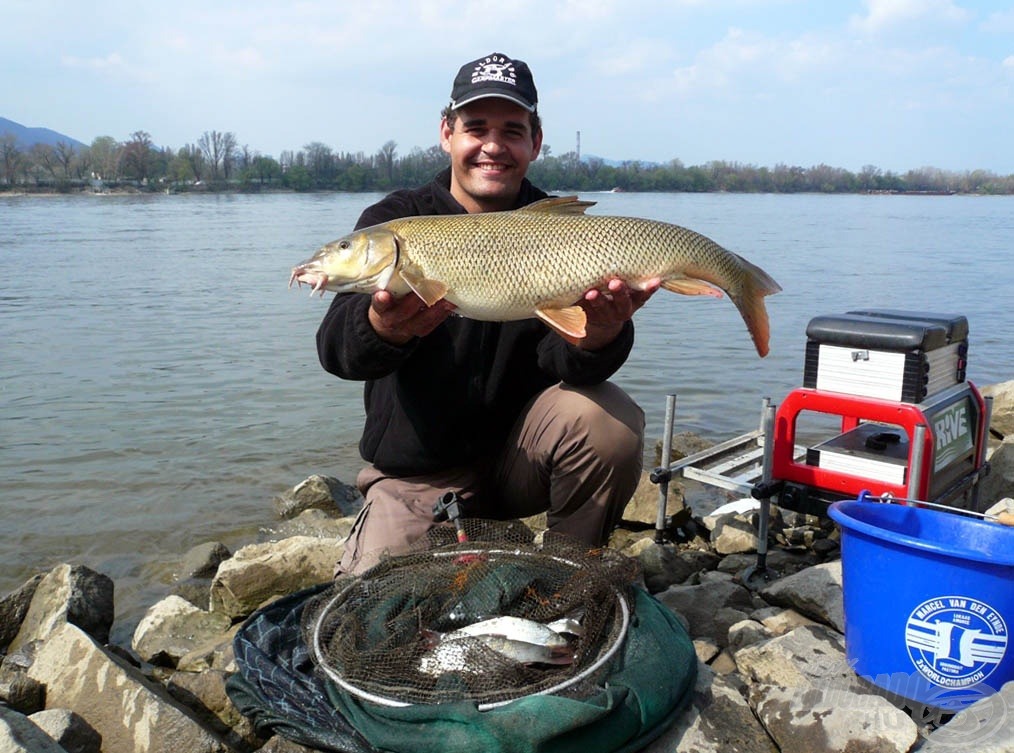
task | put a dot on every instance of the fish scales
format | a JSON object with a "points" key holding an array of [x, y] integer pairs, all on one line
{"points": [[536, 261], [533, 260]]}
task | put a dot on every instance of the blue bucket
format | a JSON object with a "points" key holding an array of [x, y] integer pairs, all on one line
{"points": [[929, 601]]}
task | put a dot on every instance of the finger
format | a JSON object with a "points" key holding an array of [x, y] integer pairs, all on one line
{"points": [[382, 301]]}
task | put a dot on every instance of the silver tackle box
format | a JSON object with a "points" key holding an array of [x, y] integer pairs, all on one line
{"points": [[904, 356]]}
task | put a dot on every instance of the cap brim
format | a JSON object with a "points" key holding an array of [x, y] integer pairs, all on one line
{"points": [[499, 94]]}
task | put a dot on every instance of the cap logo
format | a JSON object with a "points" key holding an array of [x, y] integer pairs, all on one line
{"points": [[494, 68]]}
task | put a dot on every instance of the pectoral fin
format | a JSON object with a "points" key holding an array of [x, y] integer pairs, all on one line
{"points": [[430, 291], [689, 286], [569, 321]]}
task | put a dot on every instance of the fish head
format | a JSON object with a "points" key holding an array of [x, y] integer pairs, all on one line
{"points": [[363, 261]]}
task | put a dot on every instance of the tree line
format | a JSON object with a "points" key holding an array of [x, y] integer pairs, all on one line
{"points": [[216, 162]]}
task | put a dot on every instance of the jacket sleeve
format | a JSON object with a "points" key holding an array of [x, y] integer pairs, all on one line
{"points": [[583, 367], [347, 345]]}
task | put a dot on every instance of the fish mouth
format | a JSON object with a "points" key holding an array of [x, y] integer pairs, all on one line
{"points": [[316, 280]]}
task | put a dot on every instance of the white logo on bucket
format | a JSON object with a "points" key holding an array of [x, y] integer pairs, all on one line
{"points": [[955, 641]]}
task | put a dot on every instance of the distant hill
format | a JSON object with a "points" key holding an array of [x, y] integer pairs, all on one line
{"points": [[26, 137]]}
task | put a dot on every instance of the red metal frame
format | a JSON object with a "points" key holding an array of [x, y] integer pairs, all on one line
{"points": [[852, 410]]}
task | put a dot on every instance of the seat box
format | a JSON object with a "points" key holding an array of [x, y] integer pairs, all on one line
{"points": [[874, 451], [905, 356]]}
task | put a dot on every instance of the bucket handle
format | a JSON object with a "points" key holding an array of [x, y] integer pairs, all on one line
{"points": [[887, 498]]}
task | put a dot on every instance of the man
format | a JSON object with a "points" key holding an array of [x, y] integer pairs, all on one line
{"points": [[510, 415]]}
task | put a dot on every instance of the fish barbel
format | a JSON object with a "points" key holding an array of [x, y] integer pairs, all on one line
{"points": [[536, 261]]}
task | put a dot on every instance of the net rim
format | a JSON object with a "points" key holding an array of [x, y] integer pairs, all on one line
{"points": [[321, 662]]}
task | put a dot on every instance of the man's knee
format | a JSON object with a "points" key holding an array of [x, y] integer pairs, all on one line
{"points": [[603, 416]]}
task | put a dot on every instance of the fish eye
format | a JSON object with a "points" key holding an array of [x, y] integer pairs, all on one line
{"points": [[344, 245]]}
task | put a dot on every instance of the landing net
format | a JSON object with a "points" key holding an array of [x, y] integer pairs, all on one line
{"points": [[388, 636]]}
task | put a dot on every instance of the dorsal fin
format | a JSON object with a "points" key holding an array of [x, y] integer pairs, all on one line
{"points": [[558, 205]]}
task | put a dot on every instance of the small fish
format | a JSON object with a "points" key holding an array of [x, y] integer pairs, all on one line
{"points": [[566, 626], [464, 654], [536, 261], [512, 629], [524, 641]]}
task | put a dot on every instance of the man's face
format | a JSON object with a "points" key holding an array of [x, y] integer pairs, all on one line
{"points": [[491, 147]]}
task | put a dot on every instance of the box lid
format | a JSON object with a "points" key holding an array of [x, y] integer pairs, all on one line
{"points": [[956, 324], [879, 332]]}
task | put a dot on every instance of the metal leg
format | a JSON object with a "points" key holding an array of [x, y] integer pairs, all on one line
{"points": [[663, 483], [756, 576]]}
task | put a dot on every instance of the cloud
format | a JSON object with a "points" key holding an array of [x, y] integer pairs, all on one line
{"points": [[890, 15], [111, 62], [1001, 22]]}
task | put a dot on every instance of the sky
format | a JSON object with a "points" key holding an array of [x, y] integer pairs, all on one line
{"points": [[895, 84]]}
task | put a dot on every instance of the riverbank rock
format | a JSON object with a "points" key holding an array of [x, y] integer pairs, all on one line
{"points": [[130, 713], [999, 483], [319, 493], [173, 628], [19, 734], [68, 594], [773, 676], [69, 730], [258, 572], [1002, 420]]}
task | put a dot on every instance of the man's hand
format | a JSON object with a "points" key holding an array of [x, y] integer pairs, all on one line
{"points": [[398, 320], [608, 308]]}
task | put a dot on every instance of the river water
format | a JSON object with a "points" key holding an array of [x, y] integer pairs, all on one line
{"points": [[159, 384]]}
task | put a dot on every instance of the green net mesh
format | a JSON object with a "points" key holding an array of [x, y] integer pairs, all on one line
{"points": [[426, 627]]}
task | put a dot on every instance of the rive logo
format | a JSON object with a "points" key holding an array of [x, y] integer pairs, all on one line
{"points": [[955, 641], [953, 433]]}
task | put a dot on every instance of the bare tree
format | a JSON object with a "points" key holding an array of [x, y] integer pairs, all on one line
{"points": [[11, 158], [43, 156], [320, 162], [219, 151], [385, 160], [64, 153]]}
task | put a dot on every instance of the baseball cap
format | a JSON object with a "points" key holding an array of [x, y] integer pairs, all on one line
{"points": [[495, 75]]}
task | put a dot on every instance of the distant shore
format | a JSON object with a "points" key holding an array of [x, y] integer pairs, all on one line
{"points": [[49, 192]]}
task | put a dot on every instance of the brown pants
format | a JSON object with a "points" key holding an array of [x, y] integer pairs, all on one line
{"points": [[574, 452]]}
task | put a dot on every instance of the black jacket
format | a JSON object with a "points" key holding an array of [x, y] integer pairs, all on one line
{"points": [[450, 398]]}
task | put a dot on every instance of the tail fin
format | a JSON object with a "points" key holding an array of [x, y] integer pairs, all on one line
{"points": [[750, 301]]}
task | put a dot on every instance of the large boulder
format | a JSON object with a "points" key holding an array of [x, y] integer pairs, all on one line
{"points": [[1003, 407], [259, 572], [68, 594], [830, 720], [321, 493], [13, 608], [815, 592], [72, 732], [984, 727], [999, 482], [173, 628], [19, 734], [710, 607], [115, 699], [719, 720], [811, 656]]}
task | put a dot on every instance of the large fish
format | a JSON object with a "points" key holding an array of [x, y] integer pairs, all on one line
{"points": [[536, 262]]}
